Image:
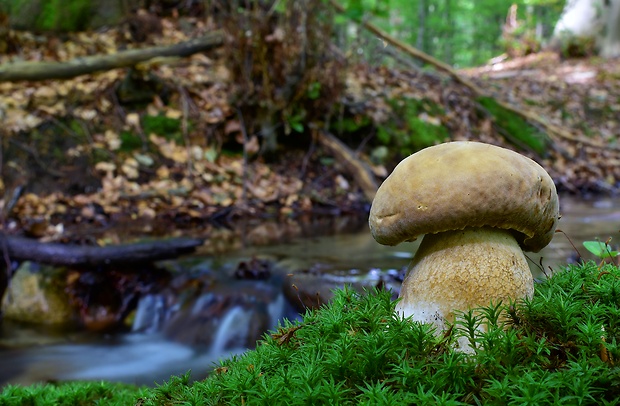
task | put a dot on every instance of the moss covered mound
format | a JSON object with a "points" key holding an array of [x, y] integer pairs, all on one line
{"points": [[559, 348]]}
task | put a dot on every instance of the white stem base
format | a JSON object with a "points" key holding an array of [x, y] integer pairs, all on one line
{"points": [[460, 270]]}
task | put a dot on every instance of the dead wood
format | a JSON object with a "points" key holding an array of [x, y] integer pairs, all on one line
{"points": [[353, 165], [35, 71], [28, 249]]}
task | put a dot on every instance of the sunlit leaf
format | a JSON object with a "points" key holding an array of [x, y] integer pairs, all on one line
{"points": [[600, 249]]}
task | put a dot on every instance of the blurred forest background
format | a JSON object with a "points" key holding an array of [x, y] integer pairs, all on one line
{"points": [[192, 111]]}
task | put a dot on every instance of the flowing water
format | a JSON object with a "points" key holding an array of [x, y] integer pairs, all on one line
{"points": [[172, 339]]}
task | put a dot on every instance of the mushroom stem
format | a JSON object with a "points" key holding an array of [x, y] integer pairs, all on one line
{"points": [[464, 269]]}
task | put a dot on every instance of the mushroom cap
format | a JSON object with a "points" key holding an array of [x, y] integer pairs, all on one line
{"points": [[462, 184]]}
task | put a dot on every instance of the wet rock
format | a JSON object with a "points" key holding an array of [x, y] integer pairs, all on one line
{"points": [[214, 304], [104, 297], [36, 294], [313, 287], [253, 269], [226, 316]]}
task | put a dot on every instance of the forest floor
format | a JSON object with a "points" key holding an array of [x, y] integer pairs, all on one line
{"points": [[164, 142]]}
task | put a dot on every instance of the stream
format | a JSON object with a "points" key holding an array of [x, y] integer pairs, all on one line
{"points": [[214, 314]]}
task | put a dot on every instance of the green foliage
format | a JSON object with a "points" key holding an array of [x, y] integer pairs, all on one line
{"points": [[600, 249], [416, 128], [514, 128], [558, 348], [351, 125], [130, 141], [71, 394], [162, 125], [54, 15], [461, 33]]}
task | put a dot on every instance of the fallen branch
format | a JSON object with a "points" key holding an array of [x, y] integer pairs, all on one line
{"points": [[416, 53], [356, 168], [35, 71], [551, 129], [21, 248]]}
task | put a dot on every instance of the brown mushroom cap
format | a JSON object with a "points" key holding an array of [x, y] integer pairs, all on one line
{"points": [[466, 184]]}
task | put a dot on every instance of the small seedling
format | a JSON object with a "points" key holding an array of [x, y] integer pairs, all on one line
{"points": [[601, 249]]}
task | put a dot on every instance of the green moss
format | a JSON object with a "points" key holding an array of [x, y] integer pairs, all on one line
{"points": [[71, 394], [415, 127], [349, 125], [170, 128], [130, 141], [514, 128], [561, 347]]}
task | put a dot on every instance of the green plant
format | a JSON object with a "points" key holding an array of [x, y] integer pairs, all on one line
{"points": [[71, 394], [601, 249]]}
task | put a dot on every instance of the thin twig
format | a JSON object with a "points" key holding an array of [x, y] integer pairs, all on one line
{"points": [[37, 159], [244, 176], [184, 128]]}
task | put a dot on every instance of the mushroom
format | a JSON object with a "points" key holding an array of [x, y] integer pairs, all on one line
{"points": [[478, 205]]}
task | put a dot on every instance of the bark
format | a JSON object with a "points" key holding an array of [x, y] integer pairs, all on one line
{"points": [[28, 249], [35, 71]]}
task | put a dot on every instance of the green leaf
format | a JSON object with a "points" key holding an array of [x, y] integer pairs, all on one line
{"points": [[211, 155], [314, 91], [600, 249], [297, 126]]}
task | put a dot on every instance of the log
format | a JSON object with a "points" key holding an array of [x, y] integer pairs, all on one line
{"points": [[353, 165], [36, 71], [28, 249]]}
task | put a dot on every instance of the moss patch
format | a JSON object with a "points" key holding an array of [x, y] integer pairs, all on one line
{"points": [[71, 394], [514, 128]]}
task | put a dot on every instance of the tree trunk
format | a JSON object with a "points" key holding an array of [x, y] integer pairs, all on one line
{"points": [[596, 21], [421, 38], [610, 44], [448, 54], [579, 19]]}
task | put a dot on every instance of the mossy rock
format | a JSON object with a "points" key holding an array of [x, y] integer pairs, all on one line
{"points": [[515, 129], [36, 294]]}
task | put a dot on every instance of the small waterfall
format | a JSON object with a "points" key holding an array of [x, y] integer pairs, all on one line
{"points": [[150, 314], [232, 329]]}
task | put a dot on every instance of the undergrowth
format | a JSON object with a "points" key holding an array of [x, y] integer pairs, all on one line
{"points": [[561, 347], [71, 393]]}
